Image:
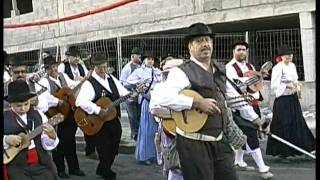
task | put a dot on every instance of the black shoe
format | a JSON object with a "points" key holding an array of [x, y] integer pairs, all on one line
{"points": [[63, 175], [77, 172]]}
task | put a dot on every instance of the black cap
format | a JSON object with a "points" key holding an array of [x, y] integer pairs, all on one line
{"points": [[18, 91], [196, 30], [136, 50], [73, 51], [17, 60], [99, 58], [243, 43], [283, 50]]}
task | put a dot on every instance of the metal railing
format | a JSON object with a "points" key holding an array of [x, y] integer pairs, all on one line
{"points": [[262, 47]]}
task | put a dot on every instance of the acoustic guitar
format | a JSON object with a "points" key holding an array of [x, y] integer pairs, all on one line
{"points": [[12, 151], [255, 81], [68, 96], [91, 124], [193, 120]]}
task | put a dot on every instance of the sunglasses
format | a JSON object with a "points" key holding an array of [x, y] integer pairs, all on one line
{"points": [[18, 72]]}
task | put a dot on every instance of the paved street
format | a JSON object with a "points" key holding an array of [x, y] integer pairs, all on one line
{"points": [[128, 169]]}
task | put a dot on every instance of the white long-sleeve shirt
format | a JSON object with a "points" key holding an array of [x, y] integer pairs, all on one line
{"points": [[247, 112], [75, 70], [166, 94], [281, 75], [47, 96], [87, 93], [46, 142]]}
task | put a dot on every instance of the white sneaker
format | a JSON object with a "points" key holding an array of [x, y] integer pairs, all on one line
{"points": [[266, 175], [244, 168]]}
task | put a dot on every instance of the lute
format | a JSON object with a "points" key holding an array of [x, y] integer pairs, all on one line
{"points": [[193, 120], [12, 151]]}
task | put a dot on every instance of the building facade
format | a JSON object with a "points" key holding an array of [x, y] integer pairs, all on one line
{"points": [[115, 26]]}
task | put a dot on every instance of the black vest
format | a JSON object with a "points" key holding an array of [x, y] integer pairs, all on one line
{"points": [[68, 71], [100, 91], [11, 126], [53, 86], [209, 85]]}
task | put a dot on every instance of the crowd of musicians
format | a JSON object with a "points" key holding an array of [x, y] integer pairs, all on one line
{"points": [[64, 95]]}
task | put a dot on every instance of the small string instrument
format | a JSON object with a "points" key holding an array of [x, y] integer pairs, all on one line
{"points": [[193, 120], [12, 151], [255, 81]]}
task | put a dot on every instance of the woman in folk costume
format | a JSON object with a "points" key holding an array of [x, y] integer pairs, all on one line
{"points": [[145, 148], [287, 121], [167, 154]]}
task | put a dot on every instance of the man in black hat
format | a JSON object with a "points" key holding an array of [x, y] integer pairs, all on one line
{"points": [[204, 154], [77, 71], [132, 105], [33, 162], [107, 140], [248, 118], [67, 129], [18, 70], [73, 68]]}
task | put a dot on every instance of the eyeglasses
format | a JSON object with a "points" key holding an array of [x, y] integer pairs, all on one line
{"points": [[18, 72]]}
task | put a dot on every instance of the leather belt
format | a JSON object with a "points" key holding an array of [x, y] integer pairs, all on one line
{"points": [[197, 136]]}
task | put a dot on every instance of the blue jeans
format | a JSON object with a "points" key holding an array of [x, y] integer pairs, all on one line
{"points": [[133, 110]]}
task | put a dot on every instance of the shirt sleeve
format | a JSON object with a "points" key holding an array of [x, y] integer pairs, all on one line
{"points": [[5, 145], [121, 89], [85, 97], [168, 96], [50, 100], [85, 69], [47, 143], [247, 112], [71, 83], [134, 77], [124, 74], [61, 68], [276, 85]]}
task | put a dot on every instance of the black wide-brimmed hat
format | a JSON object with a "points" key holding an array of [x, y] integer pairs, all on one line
{"points": [[196, 30], [243, 43], [48, 59], [73, 51], [99, 58], [136, 50], [18, 91], [283, 50], [16, 60]]}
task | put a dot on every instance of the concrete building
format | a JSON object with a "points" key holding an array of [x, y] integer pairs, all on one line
{"points": [[295, 19]]}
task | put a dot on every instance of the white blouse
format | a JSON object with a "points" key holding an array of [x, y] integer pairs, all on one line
{"points": [[282, 75]]}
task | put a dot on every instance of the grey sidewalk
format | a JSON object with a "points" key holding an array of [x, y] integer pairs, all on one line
{"points": [[127, 144]]}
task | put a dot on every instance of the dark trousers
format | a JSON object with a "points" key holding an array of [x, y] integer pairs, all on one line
{"points": [[133, 110], [90, 144], [66, 148], [36, 172], [107, 143], [202, 160]]}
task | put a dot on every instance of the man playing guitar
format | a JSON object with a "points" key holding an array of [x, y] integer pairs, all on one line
{"points": [[67, 129], [107, 140], [246, 117]]}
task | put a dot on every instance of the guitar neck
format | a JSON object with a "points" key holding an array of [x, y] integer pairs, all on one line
{"points": [[121, 100], [38, 130]]}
